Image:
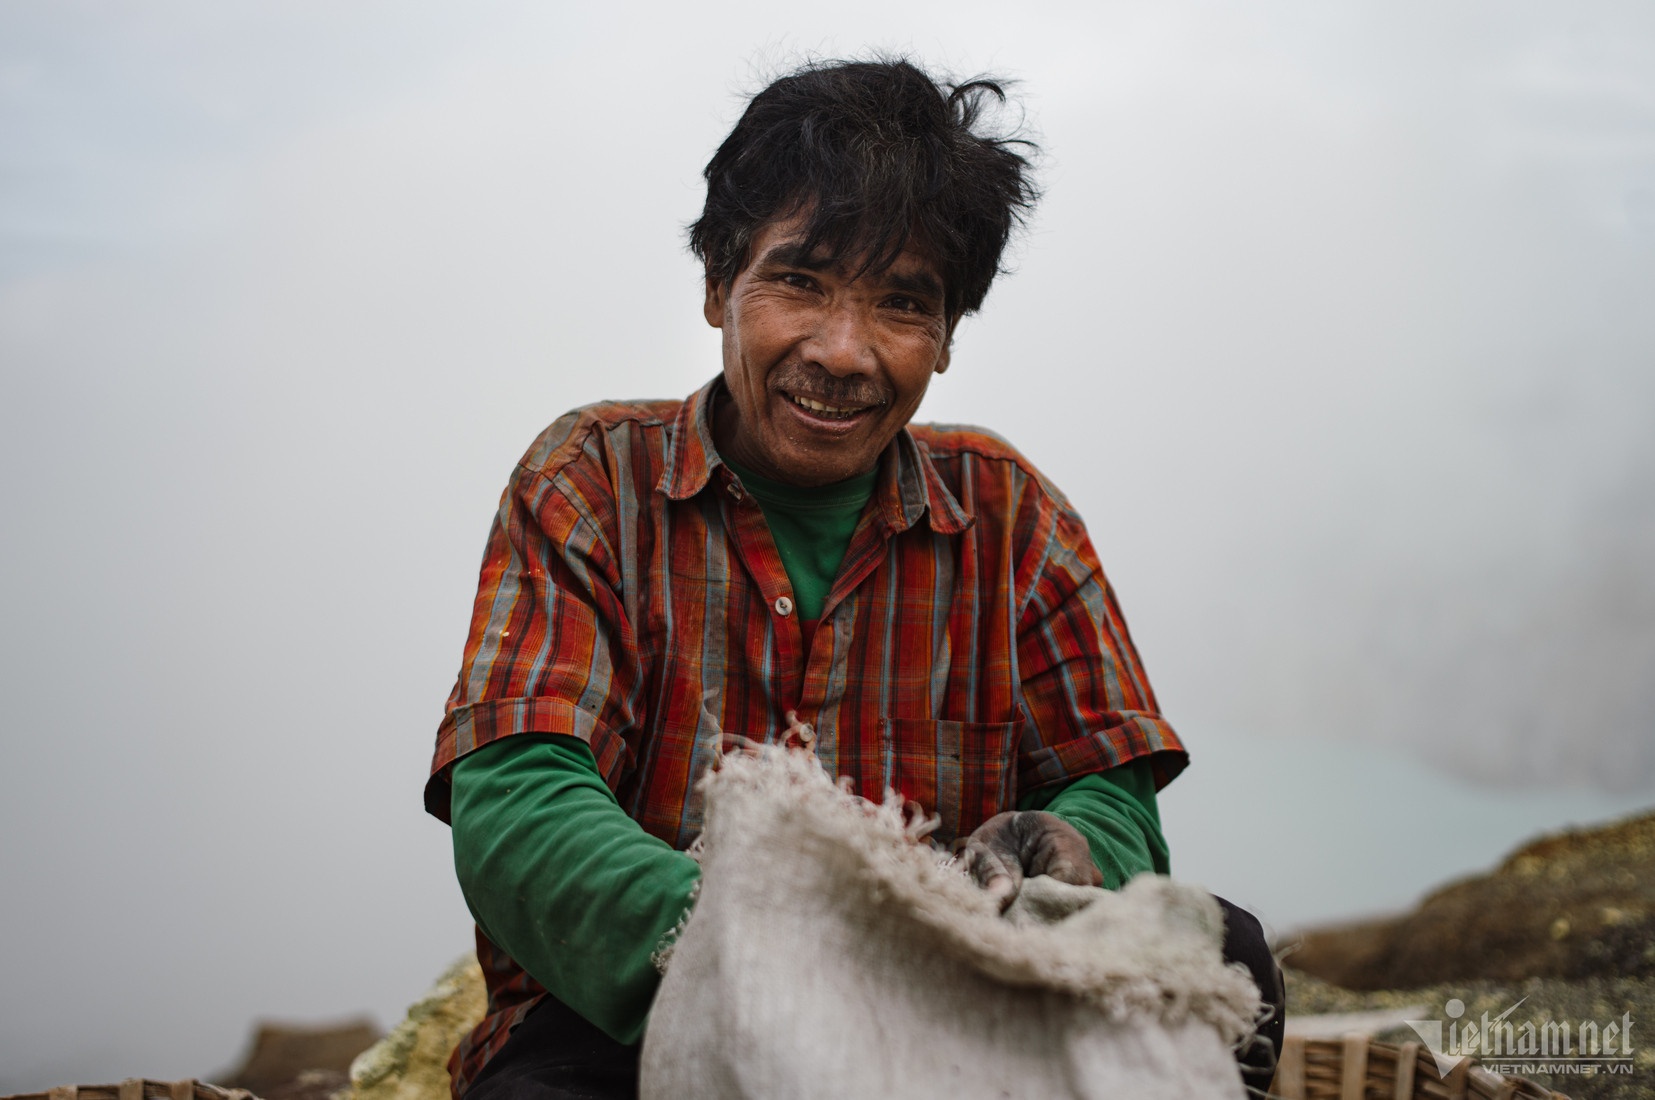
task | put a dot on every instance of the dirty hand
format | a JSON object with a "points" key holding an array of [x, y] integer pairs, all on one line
{"points": [[1009, 846]]}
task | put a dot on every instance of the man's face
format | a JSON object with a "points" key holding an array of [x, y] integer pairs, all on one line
{"points": [[823, 369]]}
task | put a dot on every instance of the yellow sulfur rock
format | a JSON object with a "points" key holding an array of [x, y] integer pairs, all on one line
{"points": [[411, 1063]]}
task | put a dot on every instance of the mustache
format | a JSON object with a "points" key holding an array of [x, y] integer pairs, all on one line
{"points": [[805, 380]]}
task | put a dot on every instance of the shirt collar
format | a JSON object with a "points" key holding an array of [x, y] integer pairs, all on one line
{"points": [[691, 457], [909, 485]]}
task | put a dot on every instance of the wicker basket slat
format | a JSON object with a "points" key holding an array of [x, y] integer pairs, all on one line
{"points": [[1290, 1069], [1484, 1083], [1353, 1072], [1458, 1079], [1407, 1058]]}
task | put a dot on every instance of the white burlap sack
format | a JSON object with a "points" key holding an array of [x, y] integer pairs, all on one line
{"points": [[830, 955]]}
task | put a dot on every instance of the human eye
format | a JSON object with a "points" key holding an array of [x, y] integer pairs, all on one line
{"points": [[904, 303]]}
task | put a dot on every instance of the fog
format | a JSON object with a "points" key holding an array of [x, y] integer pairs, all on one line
{"points": [[1334, 323]]}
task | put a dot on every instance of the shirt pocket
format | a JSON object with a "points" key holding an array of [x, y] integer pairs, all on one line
{"points": [[960, 771]]}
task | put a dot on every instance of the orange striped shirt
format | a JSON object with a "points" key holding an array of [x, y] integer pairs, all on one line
{"points": [[970, 649]]}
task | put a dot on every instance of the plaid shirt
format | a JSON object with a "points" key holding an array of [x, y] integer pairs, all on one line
{"points": [[631, 595]]}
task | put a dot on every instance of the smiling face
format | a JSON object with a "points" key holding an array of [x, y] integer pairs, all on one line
{"points": [[823, 368]]}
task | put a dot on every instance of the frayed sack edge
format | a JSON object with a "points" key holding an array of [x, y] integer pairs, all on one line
{"points": [[1148, 951]]}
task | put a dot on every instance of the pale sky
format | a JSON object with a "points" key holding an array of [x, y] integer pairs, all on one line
{"points": [[1334, 324]]}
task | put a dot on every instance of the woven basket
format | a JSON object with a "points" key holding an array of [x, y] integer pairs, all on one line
{"points": [[134, 1088], [1356, 1068]]}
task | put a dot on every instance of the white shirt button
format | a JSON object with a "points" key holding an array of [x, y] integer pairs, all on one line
{"points": [[784, 606]]}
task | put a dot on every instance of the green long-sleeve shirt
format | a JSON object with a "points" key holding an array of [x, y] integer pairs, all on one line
{"points": [[557, 875]]}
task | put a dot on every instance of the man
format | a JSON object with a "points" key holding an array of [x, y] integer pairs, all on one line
{"points": [[785, 548]]}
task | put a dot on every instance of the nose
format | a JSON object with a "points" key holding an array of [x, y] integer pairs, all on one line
{"points": [[842, 342]]}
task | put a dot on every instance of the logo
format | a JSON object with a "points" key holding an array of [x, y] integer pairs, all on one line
{"points": [[1508, 1044]]}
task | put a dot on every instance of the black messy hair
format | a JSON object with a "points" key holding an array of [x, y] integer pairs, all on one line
{"points": [[880, 155]]}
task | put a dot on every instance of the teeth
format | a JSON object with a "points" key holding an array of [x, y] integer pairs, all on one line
{"points": [[821, 409]]}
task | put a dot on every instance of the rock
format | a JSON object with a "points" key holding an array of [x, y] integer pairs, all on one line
{"points": [[312, 1084], [282, 1052], [1576, 904], [411, 1063]]}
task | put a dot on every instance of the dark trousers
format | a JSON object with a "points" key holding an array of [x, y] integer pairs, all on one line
{"points": [[1244, 943], [555, 1054]]}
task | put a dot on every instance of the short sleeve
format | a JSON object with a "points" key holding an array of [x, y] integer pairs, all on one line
{"points": [[549, 650], [1087, 703]]}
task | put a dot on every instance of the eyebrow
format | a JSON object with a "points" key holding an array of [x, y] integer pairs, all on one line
{"points": [[921, 284], [792, 254]]}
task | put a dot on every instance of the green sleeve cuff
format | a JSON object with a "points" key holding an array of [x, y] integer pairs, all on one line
{"points": [[1116, 812], [558, 875]]}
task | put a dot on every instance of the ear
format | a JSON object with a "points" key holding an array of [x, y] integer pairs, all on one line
{"points": [[713, 308], [947, 347]]}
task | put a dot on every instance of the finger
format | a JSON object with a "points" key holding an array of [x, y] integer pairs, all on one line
{"points": [[998, 873], [1002, 888], [1059, 851], [1065, 867]]}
